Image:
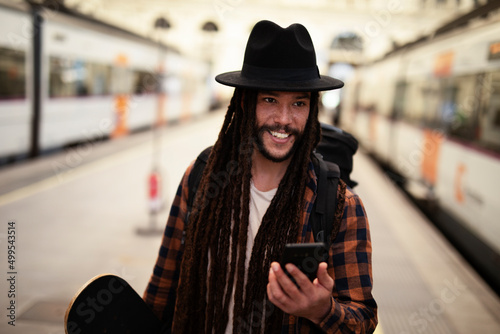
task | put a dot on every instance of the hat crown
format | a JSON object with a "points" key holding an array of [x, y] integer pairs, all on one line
{"points": [[274, 47]]}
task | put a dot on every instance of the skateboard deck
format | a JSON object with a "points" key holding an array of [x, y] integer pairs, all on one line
{"points": [[108, 304]]}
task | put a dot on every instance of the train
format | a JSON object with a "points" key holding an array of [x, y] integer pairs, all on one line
{"points": [[67, 78], [429, 112]]}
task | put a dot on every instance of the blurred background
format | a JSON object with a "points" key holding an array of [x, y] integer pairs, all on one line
{"points": [[103, 104]]}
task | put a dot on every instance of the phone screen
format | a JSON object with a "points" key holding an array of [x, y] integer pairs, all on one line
{"points": [[306, 257]]}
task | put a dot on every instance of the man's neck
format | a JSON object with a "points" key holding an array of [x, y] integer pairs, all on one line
{"points": [[266, 174]]}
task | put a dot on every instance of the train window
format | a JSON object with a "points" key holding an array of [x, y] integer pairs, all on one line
{"points": [[77, 78], [67, 78], [460, 107], [430, 99], [490, 112], [12, 74], [414, 105], [145, 82], [99, 79], [399, 100]]}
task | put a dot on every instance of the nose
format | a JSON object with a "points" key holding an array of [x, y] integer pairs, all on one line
{"points": [[283, 115]]}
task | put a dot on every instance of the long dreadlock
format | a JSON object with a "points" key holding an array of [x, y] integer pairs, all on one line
{"points": [[215, 250]]}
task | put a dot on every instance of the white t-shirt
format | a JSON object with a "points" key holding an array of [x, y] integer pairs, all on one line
{"points": [[259, 202]]}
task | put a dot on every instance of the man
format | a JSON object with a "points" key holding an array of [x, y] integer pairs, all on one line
{"points": [[217, 271]]}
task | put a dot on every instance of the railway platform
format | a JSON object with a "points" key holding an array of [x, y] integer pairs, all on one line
{"points": [[77, 214]]}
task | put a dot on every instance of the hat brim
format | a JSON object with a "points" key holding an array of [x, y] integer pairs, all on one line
{"points": [[235, 79]]}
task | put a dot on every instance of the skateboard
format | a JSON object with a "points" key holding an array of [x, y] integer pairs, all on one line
{"points": [[108, 304]]}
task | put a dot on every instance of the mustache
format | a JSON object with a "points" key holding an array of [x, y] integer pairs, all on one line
{"points": [[277, 128]]}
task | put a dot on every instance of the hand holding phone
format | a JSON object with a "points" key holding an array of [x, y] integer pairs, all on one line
{"points": [[306, 257]]}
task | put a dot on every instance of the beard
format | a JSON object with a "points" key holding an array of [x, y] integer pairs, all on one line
{"points": [[259, 133]]}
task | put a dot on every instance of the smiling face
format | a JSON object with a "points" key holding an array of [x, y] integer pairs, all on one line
{"points": [[280, 121]]}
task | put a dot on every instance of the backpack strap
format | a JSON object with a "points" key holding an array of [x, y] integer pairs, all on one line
{"points": [[327, 209], [195, 178], [339, 211]]}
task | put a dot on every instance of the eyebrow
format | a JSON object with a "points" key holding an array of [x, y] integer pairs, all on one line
{"points": [[304, 95]]}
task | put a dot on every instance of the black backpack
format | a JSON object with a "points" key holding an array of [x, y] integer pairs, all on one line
{"points": [[333, 162]]}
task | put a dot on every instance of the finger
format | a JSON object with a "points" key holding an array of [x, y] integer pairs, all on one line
{"points": [[272, 297], [277, 280], [275, 293], [302, 280], [286, 283], [323, 278]]}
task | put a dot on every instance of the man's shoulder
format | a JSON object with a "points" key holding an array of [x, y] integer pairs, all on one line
{"points": [[351, 195]]}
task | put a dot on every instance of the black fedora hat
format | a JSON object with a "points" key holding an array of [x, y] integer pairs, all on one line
{"points": [[281, 59]]}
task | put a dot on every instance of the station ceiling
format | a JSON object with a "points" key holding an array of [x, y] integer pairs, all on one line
{"points": [[380, 24]]}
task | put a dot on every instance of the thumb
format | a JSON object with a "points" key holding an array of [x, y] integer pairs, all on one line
{"points": [[323, 278]]}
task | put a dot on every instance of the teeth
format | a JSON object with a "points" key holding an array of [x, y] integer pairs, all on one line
{"points": [[280, 135]]}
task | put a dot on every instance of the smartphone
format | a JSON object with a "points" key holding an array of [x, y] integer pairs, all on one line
{"points": [[306, 257]]}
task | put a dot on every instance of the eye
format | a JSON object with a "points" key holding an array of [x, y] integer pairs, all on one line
{"points": [[269, 99], [300, 104]]}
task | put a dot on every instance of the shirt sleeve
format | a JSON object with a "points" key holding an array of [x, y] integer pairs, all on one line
{"points": [[353, 308], [160, 293]]}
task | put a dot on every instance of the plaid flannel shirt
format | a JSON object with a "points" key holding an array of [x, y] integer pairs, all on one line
{"points": [[353, 308]]}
